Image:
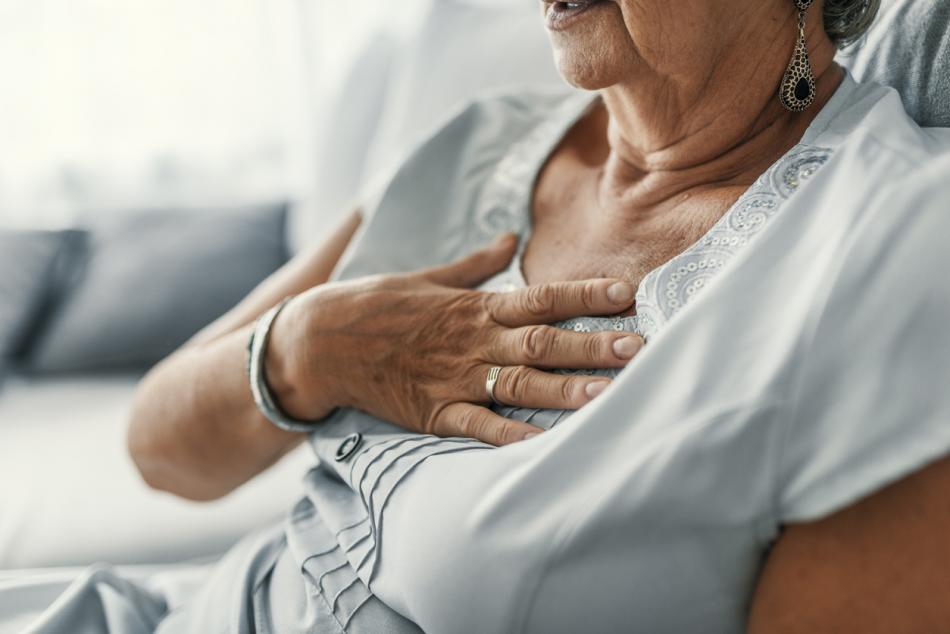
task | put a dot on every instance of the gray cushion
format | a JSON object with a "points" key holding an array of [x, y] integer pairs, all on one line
{"points": [[908, 48], [152, 279], [28, 262]]}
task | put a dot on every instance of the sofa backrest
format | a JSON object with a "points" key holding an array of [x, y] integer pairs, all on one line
{"points": [[908, 48]]}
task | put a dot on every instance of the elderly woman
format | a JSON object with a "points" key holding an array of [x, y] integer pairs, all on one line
{"points": [[771, 459]]}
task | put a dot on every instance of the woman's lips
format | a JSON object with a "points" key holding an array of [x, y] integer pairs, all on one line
{"points": [[560, 15]]}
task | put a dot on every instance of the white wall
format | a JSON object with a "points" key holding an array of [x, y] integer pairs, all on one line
{"points": [[114, 104], [111, 103]]}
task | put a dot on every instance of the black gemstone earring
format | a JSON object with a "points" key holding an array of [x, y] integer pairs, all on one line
{"points": [[798, 84]]}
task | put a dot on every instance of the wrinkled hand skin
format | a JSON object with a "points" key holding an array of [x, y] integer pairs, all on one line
{"points": [[415, 349]]}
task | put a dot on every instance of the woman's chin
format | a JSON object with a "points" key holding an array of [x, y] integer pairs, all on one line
{"points": [[595, 52], [591, 68]]}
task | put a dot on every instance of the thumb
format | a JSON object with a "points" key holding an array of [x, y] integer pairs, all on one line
{"points": [[473, 269]]}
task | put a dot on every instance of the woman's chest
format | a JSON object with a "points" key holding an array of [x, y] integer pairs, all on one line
{"points": [[576, 234], [578, 248]]}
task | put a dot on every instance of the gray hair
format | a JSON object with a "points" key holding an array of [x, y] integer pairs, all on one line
{"points": [[847, 20]]}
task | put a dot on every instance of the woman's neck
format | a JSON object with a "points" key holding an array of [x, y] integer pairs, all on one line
{"points": [[678, 136]]}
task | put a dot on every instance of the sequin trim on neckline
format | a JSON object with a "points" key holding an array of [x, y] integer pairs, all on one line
{"points": [[671, 286]]}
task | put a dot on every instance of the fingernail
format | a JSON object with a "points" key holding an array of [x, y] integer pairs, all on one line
{"points": [[620, 293], [531, 434], [626, 347], [593, 389]]}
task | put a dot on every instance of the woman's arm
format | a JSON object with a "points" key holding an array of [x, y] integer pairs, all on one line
{"points": [[414, 349], [880, 565], [865, 472], [194, 428]]}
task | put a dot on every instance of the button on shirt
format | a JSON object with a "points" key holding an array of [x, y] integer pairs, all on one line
{"points": [[349, 446]]}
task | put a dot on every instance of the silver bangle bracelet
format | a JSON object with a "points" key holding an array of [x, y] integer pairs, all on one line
{"points": [[263, 397]]}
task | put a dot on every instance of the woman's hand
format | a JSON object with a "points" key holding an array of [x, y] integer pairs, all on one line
{"points": [[416, 349]]}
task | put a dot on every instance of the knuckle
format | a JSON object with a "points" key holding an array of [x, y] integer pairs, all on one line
{"points": [[569, 388], [517, 383], [470, 424], [539, 300], [536, 342], [593, 348], [487, 306], [431, 422], [464, 422], [588, 295], [465, 302], [503, 433]]}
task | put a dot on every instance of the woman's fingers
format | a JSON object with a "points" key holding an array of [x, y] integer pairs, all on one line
{"points": [[480, 423], [522, 386], [551, 347], [546, 303], [477, 267]]}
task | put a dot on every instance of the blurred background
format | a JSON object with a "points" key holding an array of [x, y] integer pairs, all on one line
{"points": [[158, 159], [115, 105]]}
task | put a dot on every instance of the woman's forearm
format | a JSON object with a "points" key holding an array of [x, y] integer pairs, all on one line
{"points": [[412, 348], [194, 429]]}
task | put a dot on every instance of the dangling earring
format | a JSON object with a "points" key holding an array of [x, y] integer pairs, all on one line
{"points": [[798, 84]]}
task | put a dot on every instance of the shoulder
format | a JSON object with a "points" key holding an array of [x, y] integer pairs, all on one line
{"points": [[483, 128], [902, 227], [429, 200], [868, 404], [892, 261], [865, 472], [878, 112], [863, 111], [882, 174]]}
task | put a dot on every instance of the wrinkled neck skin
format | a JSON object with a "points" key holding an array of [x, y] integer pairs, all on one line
{"points": [[672, 135]]}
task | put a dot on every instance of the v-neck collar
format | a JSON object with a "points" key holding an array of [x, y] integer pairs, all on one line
{"points": [[507, 204]]}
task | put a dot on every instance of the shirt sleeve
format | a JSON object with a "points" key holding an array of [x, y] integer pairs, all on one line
{"points": [[871, 402], [452, 526]]}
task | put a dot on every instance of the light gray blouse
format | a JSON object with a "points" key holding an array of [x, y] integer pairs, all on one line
{"points": [[797, 360], [763, 399]]}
